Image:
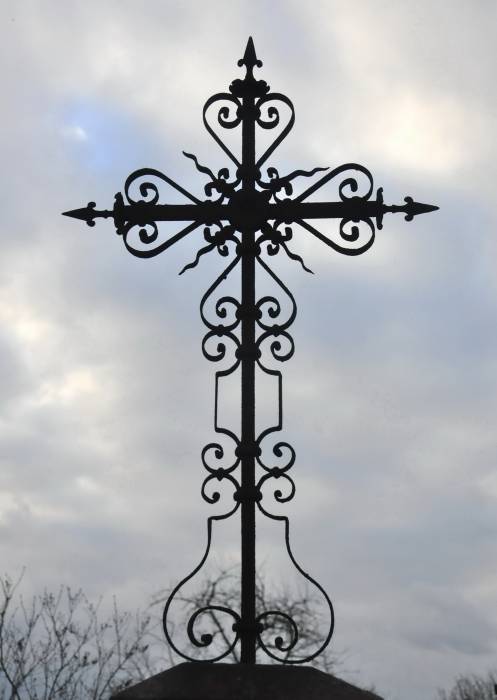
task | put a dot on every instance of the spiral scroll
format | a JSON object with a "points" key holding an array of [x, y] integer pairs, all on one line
{"points": [[269, 118], [229, 116]]}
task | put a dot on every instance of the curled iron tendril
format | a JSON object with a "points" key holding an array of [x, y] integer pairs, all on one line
{"points": [[276, 239], [274, 308], [278, 451], [277, 346], [350, 232], [206, 640], [218, 451], [278, 471], [276, 183], [348, 187], [225, 118], [220, 351], [215, 496], [218, 239], [269, 103], [221, 304], [278, 493], [219, 184], [278, 641], [149, 190], [148, 235]]}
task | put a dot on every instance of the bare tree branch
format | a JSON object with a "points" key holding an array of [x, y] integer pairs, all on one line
{"points": [[472, 687], [57, 646]]}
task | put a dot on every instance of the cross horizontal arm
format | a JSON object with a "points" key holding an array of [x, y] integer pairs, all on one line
{"points": [[253, 208]]}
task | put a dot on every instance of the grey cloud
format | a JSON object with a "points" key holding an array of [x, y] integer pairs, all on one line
{"points": [[446, 621]]}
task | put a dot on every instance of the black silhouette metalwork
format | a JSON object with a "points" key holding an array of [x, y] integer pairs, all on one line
{"points": [[251, 214]]}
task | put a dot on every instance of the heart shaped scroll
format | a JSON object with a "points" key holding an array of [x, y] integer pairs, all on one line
{"points": [[351, 182], [270, 118], [229, 116]]}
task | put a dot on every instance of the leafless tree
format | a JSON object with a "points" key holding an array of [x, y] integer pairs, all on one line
{"points": [[472, 688], [58, 647], [62, 647]]}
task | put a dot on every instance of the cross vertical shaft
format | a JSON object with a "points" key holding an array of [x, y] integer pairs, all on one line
{"points": [[248, 348]]}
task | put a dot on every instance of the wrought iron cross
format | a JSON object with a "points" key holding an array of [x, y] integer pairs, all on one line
{"points": [[256, 216]]}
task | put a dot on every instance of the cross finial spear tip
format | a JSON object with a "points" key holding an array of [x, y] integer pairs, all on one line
{"points": [[416, 208], [77, 213], [250, 59], [88, 213], [430, 207]]}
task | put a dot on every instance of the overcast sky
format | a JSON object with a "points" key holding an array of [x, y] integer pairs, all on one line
{"points": [[391, 398]]}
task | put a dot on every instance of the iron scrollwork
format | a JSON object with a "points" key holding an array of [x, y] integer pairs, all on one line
{"points": [[248, 214]]}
